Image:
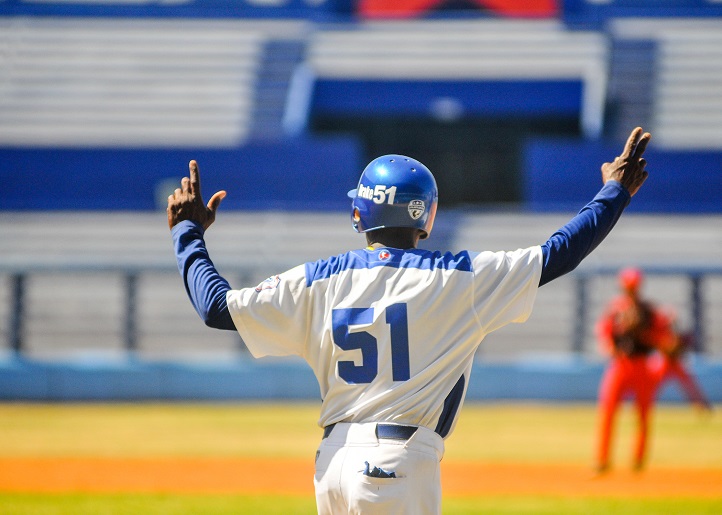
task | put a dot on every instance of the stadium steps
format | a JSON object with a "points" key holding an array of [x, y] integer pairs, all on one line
{"points": [[89, 82], [687, 103], [637, 239], [631, 77], [456, 49], [81, 312], [280, 59], [467, 50]]}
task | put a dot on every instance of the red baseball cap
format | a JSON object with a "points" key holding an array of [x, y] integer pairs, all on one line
{"points": [[630, 278]]}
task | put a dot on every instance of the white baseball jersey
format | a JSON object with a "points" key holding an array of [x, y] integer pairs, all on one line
{"points": [[390, 334]]}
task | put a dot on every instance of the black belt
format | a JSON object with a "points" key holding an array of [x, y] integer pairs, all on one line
{"points": [[389, 431]]}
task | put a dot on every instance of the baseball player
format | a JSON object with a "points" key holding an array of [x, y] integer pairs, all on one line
{"points": [[668, 363], [389, 330], [630, 331]]}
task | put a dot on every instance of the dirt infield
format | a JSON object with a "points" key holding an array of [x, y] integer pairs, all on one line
{"points": [[265, 476]]}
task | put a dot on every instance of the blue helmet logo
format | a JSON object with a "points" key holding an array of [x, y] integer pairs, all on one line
{"points": [[394, 191]]}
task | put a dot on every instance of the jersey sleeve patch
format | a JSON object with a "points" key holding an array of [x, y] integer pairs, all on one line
{"points": [[269, 284]]}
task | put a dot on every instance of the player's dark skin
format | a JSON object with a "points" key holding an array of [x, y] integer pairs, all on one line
{"points": [[394, 237], [186, 203]]}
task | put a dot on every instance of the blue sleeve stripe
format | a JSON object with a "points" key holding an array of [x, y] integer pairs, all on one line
{"points": [[365, 259]]}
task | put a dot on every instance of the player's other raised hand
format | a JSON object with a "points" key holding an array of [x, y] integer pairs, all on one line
{"points": [[186, 202], [628, 168]]}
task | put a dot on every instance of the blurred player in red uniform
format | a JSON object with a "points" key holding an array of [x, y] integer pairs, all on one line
{"points": [[630, 331]]}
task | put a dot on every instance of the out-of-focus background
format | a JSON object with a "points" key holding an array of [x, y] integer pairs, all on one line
{"points": [[513, 105]]}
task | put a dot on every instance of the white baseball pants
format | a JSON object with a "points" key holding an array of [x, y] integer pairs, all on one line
{"points": [[363, 470]]}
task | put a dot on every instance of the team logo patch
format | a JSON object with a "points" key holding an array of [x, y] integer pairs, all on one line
{"points": [[416, 209], [269, 284], [384, 255]]}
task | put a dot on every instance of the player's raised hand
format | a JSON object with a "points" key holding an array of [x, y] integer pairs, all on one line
{"points": [[186, 202], [628, 168]]}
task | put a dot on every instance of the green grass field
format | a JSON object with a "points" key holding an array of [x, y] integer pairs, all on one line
{"points": [[145, 504], [489, 433]]}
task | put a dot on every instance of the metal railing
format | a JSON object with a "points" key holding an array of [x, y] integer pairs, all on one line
{"points": [[694, 274], [582, 317], [18, 279]]}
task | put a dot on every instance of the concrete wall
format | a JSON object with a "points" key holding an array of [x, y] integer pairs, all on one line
{"points": [[556, 380]]}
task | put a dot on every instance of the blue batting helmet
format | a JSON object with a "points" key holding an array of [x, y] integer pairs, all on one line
{"points": [[394, 191]]}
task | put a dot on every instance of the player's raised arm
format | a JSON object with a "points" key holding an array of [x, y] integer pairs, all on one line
{"points": [[622, 178], [186, 202], [204, 285]]}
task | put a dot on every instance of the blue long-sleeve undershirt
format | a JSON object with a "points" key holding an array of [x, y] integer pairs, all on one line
{"points": [[204, 285], [569, 245], [561, 253]]}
